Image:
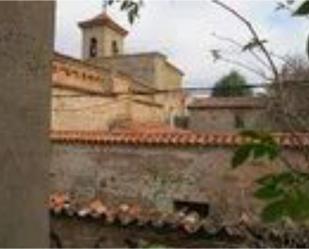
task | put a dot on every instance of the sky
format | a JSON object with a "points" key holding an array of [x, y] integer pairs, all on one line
{"points": [[184, 31]]}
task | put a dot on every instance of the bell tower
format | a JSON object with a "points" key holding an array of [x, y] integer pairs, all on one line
{"points": [[102, 37]]}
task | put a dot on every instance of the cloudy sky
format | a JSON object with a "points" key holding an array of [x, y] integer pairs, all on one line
{"points": [[183, 30]]}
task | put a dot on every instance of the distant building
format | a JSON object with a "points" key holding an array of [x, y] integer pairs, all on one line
{"points": [[108, 88], [231, 114]]}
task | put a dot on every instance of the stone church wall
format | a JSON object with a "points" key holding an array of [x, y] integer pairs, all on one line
{"points": [[86, 112], [160, 175]]}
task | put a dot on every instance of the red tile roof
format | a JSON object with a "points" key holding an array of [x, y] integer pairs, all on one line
{"points": [[166, 137], [103, 20], [127, 214]]}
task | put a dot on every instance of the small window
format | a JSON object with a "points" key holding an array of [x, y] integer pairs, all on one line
{"points": [[93, 49], [115, 48], [188, 206]]}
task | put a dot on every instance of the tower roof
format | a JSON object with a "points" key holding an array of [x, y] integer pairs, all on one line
{"points": [[103, 19]]}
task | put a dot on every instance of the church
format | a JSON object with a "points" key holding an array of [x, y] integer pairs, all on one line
{"points": [[108, 89]]}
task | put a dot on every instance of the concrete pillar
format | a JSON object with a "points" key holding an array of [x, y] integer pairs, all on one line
{"points": [[26, 46]]}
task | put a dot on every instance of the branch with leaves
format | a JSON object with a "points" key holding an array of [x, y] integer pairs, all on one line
{"points": [[256, 41], [285, 193], [131, 7]]}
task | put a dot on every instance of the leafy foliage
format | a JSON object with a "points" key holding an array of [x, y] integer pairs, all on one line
{"points": [[285, 193], [132, 7], [260, 145], [231, 85], [303, 9]]}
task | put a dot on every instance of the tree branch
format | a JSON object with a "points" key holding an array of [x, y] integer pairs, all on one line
{"points": [[245, 66], [255, 36], [239, 45]]}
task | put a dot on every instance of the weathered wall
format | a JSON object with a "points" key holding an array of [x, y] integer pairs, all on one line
{"points": [[167, 76], [86, 112], [75, 110], [71, 72], [153, 70], [141, 66], [26, 44], [83, 100], [227, 119], [144, 111], [159, 175]]}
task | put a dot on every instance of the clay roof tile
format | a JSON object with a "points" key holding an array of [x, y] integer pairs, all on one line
{"points": [[168, 138], [103, 19]]}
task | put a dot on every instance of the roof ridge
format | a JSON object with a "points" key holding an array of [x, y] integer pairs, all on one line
{"points": [[103, 19], [172, 137]]}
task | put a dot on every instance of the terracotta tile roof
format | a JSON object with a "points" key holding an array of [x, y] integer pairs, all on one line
{"points": [[129, 214], [227, 102], [159, 136], [103, 20]]}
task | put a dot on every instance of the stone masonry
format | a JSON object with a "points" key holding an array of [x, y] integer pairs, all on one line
{"points": [[160, 175]]}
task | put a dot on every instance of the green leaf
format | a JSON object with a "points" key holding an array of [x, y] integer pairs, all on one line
{"points": [[265, 179], [303, 9], [124, 5], [298, 205], [241, 155], [285, 178], [268, 192], [274, 211], [272, 151], [263, 145], [259, 151]]}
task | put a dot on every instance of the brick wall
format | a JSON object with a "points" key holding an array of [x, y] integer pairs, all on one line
{"points": [[157, 175]]}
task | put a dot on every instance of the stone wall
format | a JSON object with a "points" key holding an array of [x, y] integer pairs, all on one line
{"points": [[140, 66], [144, 110], [159, 175], [76, 110], [82, 98], [228, 114], [226, 120], [86, 112], [155, 71], [26, 44]]}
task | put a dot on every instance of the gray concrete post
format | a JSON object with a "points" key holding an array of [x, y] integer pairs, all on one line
{"points": [[26, 47]]}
